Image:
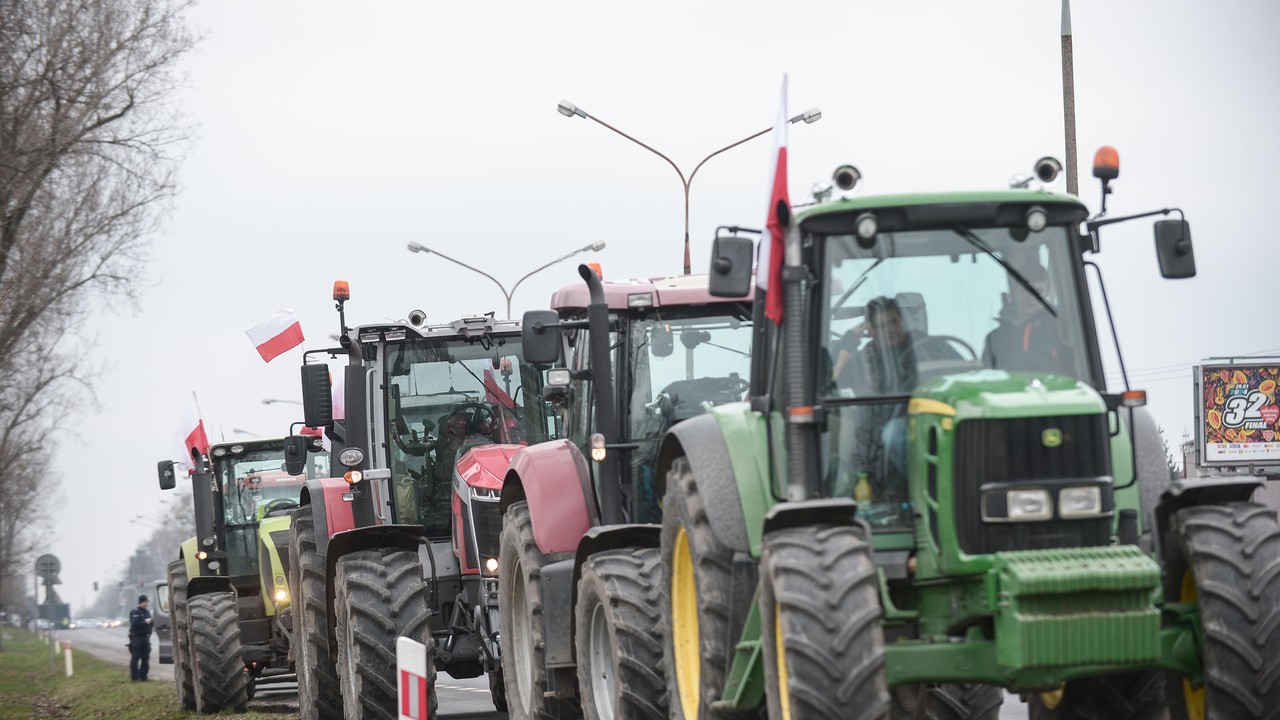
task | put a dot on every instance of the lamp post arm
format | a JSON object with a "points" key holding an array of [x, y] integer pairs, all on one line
{"points": [[478, 271], [562, 258], [726, 147], [646, 147]]}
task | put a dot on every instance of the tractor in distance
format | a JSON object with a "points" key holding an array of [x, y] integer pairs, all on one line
{"points": [[579, 594], [405, 543], [230, 606], [940, 495]]}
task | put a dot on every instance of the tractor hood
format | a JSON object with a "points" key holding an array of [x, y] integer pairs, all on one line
{"points": [[996, 394], [484, 467]]}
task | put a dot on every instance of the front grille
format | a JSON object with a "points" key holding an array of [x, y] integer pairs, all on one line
{"points": [[1013, 451], [488, 525]]}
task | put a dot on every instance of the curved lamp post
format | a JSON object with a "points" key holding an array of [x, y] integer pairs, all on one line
{"points": [[593, 247], [568, 109]]}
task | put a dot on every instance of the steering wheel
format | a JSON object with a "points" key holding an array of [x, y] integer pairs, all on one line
{"points": [[408, 442], [473, 415], [915, 346], [278, 504]]}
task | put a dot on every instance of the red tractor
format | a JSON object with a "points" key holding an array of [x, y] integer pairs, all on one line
{"points": [[580, 594], [406, 542]]}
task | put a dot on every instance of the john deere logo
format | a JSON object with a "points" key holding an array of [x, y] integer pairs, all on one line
{"points": [[1051, 437]]}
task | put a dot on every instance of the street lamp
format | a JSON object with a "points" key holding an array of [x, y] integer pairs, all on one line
{"points": [[272, 401], [568, 109], [593, 247]]}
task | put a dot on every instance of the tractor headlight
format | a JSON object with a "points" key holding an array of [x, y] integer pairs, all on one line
{"points": [[1027, 505], [1078, 502], [490, 565], [282, 595]]}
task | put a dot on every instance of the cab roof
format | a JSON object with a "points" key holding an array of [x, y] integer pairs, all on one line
{"points": [[678, 291], [945, 208]]}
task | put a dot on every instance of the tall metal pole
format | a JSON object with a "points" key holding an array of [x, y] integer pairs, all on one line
{"points": [[1069, 99]]}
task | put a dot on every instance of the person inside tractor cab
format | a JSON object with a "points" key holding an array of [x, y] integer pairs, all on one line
{"points": [[1026, 339], [887, 364]]}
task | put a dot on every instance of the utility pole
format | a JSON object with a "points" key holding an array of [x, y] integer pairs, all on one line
{"points": [[1069, 99]]}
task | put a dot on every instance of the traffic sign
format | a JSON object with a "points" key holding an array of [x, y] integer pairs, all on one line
{"points": [[48, 566]]}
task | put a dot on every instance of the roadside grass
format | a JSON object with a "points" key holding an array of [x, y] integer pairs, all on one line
{"points": [[28, 689]]}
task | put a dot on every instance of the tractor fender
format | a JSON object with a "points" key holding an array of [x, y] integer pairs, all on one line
{"points": [[806, 513], [405, 537], [332, 513], [208, 584], [554, 479], [701, 440], [1202, 491], [187, 554]]}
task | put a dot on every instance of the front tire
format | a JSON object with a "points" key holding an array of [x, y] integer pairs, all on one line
{"points": [[820, 626], [946, 701], [179, 635], [521, 636], [318, 689], [379, 596], [217, 666], [619, 636], [1226, 559], [698, 577]]}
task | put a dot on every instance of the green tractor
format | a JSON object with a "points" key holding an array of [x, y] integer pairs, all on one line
{"points": [[228, 590], [931, 494]]}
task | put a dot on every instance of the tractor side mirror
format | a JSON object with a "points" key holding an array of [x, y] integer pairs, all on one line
{"points": [[295, 454], [1173, 248], [317, 396], [540, 336], [168, 480], [731, 267]]}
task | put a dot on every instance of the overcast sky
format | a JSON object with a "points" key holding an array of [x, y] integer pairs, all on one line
{"points": [[331, 134]]}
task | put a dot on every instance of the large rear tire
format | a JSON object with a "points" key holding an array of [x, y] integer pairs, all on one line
{"points": [[619, 636], [1127, 696], [217, 665], [1226, 559], [379, 596], [179, 634], [318, 690], [498, 690], [522, 636], [946, 701], [698, 577], [820, 626]]}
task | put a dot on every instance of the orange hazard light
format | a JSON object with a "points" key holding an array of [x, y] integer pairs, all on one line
{"points": [[341, 290], [1106, 163]]}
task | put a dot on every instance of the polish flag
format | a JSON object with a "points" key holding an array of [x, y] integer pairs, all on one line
{"points": [[277, 334], [769, 273], [190, 435]]}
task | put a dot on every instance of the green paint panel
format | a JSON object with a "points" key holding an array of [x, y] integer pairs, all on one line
{"points": [[1076, 606]]}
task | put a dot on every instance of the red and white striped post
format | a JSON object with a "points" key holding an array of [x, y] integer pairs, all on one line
{"points": [[411, 669]]}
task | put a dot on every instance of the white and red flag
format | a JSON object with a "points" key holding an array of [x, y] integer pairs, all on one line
{"points": [[769, 268], [277, 334], [191, 435]]}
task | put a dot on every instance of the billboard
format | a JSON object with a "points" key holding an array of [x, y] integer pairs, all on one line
{"points": [[1238, 419]]}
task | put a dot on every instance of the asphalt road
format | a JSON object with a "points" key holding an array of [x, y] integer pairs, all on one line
{"points": [[459, 699]]}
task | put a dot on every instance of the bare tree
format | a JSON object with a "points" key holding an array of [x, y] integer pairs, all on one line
{"points": [[89, 146]]}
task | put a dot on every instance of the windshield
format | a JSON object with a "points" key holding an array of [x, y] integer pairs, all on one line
{"points": [[919, 305], [254, 482], [680, 363], [445, 397]]}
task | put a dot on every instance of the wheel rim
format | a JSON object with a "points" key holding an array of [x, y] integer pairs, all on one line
{"points": [[600, 663], [521, 640], [780, 652], [1192, 697], [1053, 698], [684, 625]]}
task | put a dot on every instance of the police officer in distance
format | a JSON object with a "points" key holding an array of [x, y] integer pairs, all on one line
{"points": [[139, 640]]}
